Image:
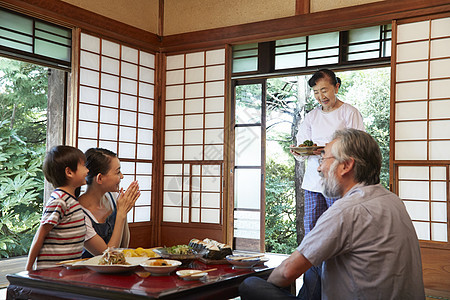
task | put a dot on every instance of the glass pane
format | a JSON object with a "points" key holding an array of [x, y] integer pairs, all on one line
{"points": [[245, 64], [247, 193], [65, 41], [247, 224], [294, 60], [297, 40], [364, 34], [323, 40], [52, 50], [248, 146], [248, 104], [16, 22]]}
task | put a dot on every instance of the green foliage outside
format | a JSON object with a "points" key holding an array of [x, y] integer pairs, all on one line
{"points": [[23, 107]]}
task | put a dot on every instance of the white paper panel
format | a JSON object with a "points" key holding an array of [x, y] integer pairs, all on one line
{"points": [[440, 48], [195, 170], [211, 170], [214, 136], [144, 168], [127, 118], [88, 95], [110, 82], [127, 150], [174, 107], [186, 184], [145, 121], [412, 51], [195, 200], [172, 198], [146, 105], [412, 71], [211, 200], [216, 88], [147, 59], [127, 134], [438, 173], [110, 49], [193, 137], [438, 212], [173, 169], [142, 214], [108, 145], [129, 54], [411, 172], [193, 121], [439, 150], [440, 89], [174, 92], [128, 102], [440, 27], [440, 129], [418, 210], [173, 183], [195, 59], [172, 214], [89, 42], [89, 60], [185, 215], [195, 75], [194, 90], [414, 190], [195, 184], [439, 232], [211, 184], [83, 144], [145, 198], [173, 152], [108, 98], [422, 230], [108, 115], [215, 73], [411, 91], [411, 150], [126, 181], [210, 216], [214, 120], [128, 86], [175, 62], [413, 31], [213, 152], [129, 70], [440, 68], [110, 65], [247, 188], [195, 215], [147, 75], [108, 132], [173, 137], [215, 57], [175, 77], [174, 122], [411, 110], [194, 106], [88, 77], [411, 130], [127, 167], [193, 152], [145, 136], [146, 90], [215, 104], [87, 130], [145, 182], [88, 112]]}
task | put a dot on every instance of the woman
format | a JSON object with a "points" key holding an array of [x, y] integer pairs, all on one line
{"points": [[319, 126], [105, 204]]}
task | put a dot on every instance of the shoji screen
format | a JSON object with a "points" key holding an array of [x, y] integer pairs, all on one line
{"points": [[422, 125], [194, 144], [115, 110]]}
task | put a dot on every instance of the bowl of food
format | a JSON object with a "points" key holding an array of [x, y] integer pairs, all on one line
{"points": [[306, 148], [160, 267], [243, 260], [183, 253], [191, 274]]}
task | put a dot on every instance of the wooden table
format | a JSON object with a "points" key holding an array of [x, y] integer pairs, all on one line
{"points": [[61, 283]]}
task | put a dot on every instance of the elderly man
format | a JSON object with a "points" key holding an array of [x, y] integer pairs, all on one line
{"points": [[366, 240]]}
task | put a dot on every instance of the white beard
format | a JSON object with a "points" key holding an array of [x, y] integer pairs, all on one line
{"points": [[331, 188]]}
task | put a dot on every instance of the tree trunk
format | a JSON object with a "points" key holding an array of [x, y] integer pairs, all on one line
{"points": [[299, 200]]}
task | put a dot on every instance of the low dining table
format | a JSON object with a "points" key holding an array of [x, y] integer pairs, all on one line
{"points": [[62, 283]]}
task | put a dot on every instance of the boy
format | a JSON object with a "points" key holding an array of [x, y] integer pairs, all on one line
{"points": [[61, 233]]}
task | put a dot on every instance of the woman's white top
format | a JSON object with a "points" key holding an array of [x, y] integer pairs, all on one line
{"points": [[319, 127]]}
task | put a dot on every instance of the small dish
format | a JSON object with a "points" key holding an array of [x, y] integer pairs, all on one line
{"points": [[239, 260], [196, 276], [160, 267]]}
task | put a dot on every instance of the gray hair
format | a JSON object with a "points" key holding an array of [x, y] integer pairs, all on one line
{"points": [[362, 147]]}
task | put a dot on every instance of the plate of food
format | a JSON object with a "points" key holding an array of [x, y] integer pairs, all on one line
{"points": [[140, 252], [160, 267], [112, 261], [306, 148], [183, 253]]}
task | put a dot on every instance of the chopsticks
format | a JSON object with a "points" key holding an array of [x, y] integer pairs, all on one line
{"points": [[198, 272], [71, 261], [248, 257]]}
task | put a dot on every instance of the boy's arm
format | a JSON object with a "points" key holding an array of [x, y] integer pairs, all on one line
{"points": [[37, 243]]}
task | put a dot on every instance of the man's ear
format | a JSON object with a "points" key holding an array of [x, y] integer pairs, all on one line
{"points": [[347, 166]]}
